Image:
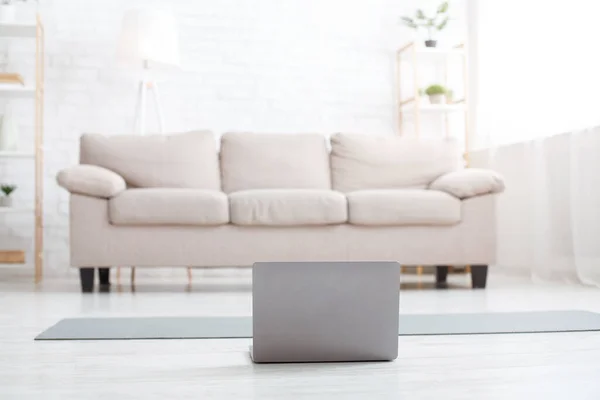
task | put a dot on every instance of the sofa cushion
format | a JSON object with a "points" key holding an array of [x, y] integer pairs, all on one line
{"points": [[169, 207], [184, 160], [389, 162], [91, 180], [403, 207], [287, 207], [274, 161], [469, 182]]}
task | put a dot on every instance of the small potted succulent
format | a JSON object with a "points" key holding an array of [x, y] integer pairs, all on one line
{"points": [[434, 23], [7, 190], [436, 93]]}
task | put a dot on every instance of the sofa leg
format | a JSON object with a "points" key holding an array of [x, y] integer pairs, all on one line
{"points": [[441, 276], [479, 276], [104, 276], [86, 276]]}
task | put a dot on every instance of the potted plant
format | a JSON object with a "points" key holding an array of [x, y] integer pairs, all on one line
{"points": [[449, 96], [435, 23], [6, 200], [436, 94]]}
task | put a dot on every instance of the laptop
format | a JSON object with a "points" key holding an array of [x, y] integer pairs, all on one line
{"points": [[325, 311]]}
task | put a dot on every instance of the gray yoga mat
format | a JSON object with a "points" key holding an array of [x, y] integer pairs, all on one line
{"points": [[241, 327]]}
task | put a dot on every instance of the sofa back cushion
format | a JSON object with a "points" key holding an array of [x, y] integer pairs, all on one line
{"points": [[182, 160], [274, 161], [389, 162]]}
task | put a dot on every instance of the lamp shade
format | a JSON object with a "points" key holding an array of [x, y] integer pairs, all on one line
{"points": [[149, 35]]}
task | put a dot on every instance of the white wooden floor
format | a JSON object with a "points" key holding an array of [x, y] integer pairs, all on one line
{"points": [[541, 366]]}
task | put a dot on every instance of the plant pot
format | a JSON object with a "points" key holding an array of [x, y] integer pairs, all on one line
{"points": [[437, 98], [430, 43], [8, 13], [6, 201]]}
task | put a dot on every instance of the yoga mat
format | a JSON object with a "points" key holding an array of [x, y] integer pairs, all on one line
{"points": [[241, 327]]}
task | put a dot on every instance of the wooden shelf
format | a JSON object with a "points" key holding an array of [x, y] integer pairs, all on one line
{"points": [[12, 257], [412, 103], [18, 30], [34, 90], [16, 154]]}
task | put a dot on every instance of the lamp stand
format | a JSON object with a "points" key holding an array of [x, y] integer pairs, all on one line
{"points": [[146, 85], [139, 127]]}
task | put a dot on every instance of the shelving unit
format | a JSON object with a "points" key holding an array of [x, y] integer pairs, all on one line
{"points": [[418, 105], [414, 102], [36, 92]]}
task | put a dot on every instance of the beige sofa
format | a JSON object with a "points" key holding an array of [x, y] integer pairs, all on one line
{"points": [[176, 200]]}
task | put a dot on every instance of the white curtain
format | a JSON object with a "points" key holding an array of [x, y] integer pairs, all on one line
{"points": [[537, 89]]}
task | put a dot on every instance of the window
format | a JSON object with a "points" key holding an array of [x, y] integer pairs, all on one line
{"points": [[538, 68]]}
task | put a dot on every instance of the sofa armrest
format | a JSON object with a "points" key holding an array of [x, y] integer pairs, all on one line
{"points": [[91, 180], [469, 182]]}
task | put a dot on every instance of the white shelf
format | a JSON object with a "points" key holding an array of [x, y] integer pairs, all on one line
{"points": [[434, 51], [17, 30], [16, 154], [425, 105], [442, 107], [16, 210], [431, 52], [16, 91]]}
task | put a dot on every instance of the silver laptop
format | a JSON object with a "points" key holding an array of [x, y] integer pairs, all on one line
{"points": [[325, 311]]}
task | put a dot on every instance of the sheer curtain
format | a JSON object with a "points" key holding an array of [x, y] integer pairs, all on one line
{"points": [[537, 116]]}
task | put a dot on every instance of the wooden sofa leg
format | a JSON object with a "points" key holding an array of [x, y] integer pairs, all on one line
{"points": [[441, 276], [104, 276], [86, 276], [479, 276]]}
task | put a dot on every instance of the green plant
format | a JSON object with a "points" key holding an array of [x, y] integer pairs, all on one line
{"points": [[435, 89], [8, 189], [437, 22]]}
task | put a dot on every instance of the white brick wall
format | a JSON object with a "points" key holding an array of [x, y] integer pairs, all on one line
{"points": [[260, 65]]}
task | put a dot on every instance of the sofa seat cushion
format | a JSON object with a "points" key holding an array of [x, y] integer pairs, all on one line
{"points": [[287, 207], [169, 207], [403, 207]]}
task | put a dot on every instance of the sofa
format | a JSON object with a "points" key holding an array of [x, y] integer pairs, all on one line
{"points": [[196, 200]]}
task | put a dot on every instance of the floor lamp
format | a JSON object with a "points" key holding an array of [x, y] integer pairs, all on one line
{"points": [[148, 41]]}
